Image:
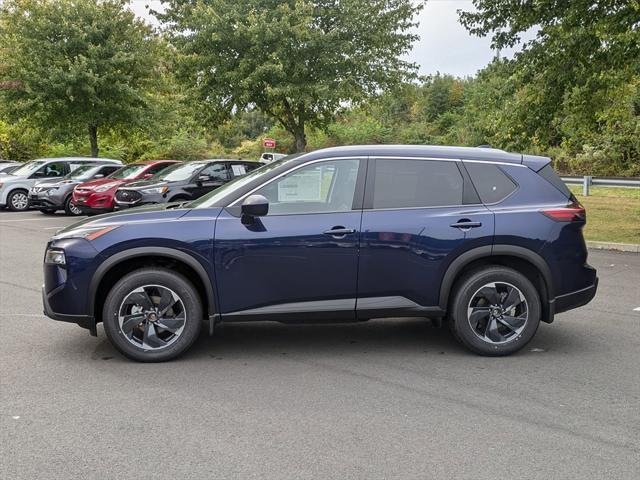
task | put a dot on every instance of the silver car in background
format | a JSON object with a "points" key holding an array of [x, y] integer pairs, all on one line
{"points": [[54, 194], [14, 188]]}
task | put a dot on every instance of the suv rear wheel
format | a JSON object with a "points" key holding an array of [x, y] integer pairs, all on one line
{"points": [[152, 315], [495, 311]]}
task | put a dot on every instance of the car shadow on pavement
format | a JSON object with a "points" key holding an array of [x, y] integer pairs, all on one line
{"points": [[402, 336]]}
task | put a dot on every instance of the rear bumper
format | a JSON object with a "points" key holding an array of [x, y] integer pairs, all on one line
{"points": [[84, 321], [576, 299]]}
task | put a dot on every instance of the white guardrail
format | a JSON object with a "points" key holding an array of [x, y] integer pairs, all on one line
{"points": [[588, 181]]}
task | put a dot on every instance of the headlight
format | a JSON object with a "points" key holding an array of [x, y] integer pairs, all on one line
{"points": [[88, 233], [155, 190], [54, 256], [104, 188]]}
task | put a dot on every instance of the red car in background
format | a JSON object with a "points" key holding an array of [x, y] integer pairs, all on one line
{"points": [[97, 196]]}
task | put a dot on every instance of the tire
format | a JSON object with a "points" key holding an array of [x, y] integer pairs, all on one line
{"points": [[18, 201], [147, 341], [70, 209], [178, 198], [495, 311], [48, 211]]}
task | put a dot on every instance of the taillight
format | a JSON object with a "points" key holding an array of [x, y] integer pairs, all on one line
{"points": [[574, 212]]}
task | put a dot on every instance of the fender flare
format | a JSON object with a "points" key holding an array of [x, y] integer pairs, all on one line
{"points": [[488, 251], [165, 252]]}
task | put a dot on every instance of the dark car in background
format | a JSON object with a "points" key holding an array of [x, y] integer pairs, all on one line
{"points": [[97, 196], [182, 182], [52, 195], [489, 240]]}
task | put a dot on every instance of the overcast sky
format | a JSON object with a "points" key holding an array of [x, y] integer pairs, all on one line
{"points": [[444, 45]]}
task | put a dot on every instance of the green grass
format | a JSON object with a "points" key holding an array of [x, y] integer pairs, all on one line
{"points": [[613, 214]]}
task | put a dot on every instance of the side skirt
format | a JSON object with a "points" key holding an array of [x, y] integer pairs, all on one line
{"points": [[335, 311]]}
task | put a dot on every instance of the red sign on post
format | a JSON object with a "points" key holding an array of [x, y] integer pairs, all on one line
{"points": [[269, 143]]}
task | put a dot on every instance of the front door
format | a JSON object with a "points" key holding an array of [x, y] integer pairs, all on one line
{"points": [[300, 261], [418, 216]]}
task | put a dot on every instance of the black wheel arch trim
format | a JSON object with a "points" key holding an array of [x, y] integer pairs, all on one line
{"points": [[487, 251], [165, 252]]}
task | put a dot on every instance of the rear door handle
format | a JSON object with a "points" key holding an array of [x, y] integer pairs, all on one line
{"points": [[465, 224], [339, 231]]}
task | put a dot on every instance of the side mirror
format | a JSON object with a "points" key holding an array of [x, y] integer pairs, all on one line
{"points": [[147, 176], [254, 206], [99, 175], [204, 178], [38, 174]]}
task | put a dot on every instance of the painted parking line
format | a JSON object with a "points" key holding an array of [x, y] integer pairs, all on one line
{"points": [[26, 220], [636, 309]]}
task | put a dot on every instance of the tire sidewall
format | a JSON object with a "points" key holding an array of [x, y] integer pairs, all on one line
{"points": [[469, 286], [67, 208], [156, 276], [10, 201]]}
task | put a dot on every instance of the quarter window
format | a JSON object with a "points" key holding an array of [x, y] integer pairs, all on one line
{"points": [[492, 184], [317, 188], [404, 183]]}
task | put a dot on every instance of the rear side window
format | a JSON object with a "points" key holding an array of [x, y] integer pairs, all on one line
{"points": [[552, 177], [492, 184], [401, 183]]}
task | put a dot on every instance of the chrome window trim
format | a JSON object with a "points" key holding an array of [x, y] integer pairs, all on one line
{"points": [[367, 157]]}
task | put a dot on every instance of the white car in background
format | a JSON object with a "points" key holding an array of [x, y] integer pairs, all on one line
{"points": [[267, 157], [14, 187]]}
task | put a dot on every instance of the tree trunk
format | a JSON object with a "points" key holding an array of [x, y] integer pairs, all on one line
{"points": [[300, 139], [93, 138]]}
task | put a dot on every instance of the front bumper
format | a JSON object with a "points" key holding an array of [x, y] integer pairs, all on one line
{"points": [[84, 321]]}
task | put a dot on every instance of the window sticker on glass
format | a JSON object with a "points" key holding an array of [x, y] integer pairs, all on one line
{"points": [[301, 187], [238, 170]]}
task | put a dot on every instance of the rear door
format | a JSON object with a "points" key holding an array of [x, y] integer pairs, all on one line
{"points": [[419, 215]]}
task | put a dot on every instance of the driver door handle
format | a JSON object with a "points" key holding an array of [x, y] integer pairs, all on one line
{"points": [[465, 224], [339, 231]]}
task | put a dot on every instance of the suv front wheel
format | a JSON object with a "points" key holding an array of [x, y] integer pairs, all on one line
{"points": [[495, 311], [152, 315]]}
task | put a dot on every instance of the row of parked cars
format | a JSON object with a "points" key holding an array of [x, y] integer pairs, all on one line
{"points": [[80, 185]]}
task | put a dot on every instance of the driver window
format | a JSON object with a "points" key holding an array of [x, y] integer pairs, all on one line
{"points": [[317, 188], [216, 172], [52, 170]]}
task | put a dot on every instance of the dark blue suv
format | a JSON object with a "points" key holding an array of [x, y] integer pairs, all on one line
{"points": [[490, 241]]}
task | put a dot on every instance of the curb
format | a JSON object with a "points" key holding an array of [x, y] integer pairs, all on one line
{"points": [[620, 247]]}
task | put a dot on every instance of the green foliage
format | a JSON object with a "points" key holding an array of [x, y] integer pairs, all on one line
{"points": [[226, 74], [75, 65], [298, 61]]}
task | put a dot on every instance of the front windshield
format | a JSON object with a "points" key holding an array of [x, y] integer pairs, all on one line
{"points": [[129, 172], [28, 168], [179, 172], [216, 195], [82, 173]]}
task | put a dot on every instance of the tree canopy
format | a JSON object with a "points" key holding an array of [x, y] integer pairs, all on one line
{"points": [[75, 64], [298, 61]]}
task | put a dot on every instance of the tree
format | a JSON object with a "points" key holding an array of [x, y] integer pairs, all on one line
{"points": [[74, 64], [576, 44], [298, 61]]}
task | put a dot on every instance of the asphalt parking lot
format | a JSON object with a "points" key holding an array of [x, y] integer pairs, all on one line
{"points": [[382, 399]]}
